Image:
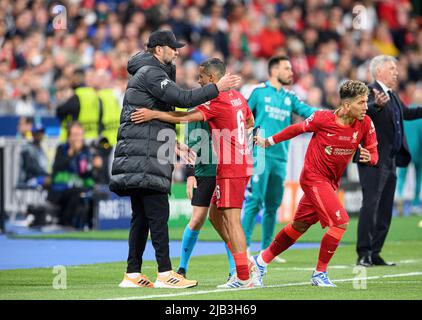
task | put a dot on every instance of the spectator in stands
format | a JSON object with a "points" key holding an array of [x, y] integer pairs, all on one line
{"points": [[110, 108], [33, 167], [104, 34], [101, 152], [83, 106], [271, 38], [24, 128], [72, 179]]}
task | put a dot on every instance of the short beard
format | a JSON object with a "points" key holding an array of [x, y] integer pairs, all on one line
{"points": [[284, 83]]}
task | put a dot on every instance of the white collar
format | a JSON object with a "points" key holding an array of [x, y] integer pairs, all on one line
{"points": [[384, 87]]}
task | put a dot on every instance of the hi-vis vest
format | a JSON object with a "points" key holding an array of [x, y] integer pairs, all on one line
{"points": [[180, 129], [111, 115], [89, 114]]}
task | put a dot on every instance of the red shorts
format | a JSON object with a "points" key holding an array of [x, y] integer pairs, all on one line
{"points": [[230, 192], [320, 203]]}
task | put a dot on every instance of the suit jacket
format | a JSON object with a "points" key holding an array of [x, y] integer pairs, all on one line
{"points": [[383, 121]]}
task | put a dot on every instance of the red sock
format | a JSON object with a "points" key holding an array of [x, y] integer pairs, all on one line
{"points": [[329, 244], [242, 269], [283, 240]]}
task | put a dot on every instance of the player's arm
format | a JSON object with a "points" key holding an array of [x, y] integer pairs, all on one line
{"points": [[250, 121], [301, 108], [369, 154], [143, 115], [168, 91], [312, 124], [286, 134]]}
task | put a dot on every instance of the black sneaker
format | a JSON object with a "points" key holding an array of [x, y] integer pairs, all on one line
{"points": [[378, 261], [364, 261]]}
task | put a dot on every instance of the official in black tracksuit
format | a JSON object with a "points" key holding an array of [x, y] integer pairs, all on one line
{"points": [[143, 162], [378, 183]]}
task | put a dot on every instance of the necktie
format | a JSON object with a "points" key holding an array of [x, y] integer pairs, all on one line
{"points": [[396, 119]]}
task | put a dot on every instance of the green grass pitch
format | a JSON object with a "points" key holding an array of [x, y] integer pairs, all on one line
{"points": [[287, 281]]}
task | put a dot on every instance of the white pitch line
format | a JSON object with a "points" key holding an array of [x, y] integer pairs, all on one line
{"points": [[411, 274], [350, 266]]}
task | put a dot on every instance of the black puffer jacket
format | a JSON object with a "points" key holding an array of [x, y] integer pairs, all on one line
{"points": [[140, 159]]}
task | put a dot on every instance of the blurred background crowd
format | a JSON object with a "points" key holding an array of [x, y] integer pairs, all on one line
{"points": [[328, 41]]}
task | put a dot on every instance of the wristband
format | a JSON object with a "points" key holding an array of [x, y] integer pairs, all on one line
{"points": [[271, 140]]}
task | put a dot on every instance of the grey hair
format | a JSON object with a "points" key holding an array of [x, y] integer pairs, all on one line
{"points": [[378, 61]]}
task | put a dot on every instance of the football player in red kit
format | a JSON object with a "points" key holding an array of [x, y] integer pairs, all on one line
{"points": [[228, 117], [336, 137]]}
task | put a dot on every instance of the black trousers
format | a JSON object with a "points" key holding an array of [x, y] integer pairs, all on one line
{"points": [[378, 187], [150, 213]]}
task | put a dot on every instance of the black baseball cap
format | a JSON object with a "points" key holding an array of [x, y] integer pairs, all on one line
{"points": [[163, 38]]}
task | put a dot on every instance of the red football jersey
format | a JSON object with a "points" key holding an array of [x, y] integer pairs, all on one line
{"points": [[226, 116], [332, 146]]}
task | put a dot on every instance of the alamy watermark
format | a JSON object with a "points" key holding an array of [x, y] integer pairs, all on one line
{"points": [[360, 18], [60, 280], [359, 281], [60, 17]]}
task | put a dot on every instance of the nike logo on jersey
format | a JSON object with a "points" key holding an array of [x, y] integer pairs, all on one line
{"points": [[331, 134]]}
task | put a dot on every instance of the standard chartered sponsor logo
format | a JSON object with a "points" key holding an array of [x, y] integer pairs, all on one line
{"points": [[338, 151], [328, 150], [343, 152], [277, 113]]}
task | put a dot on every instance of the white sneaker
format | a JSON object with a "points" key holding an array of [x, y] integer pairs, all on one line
{"points": [[279, 260], [139, 282], [320, 279], [257, 271], [230, 279], [236, 283]]}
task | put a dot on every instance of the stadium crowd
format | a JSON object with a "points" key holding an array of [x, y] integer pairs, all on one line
{"points": [[326, 40]]}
